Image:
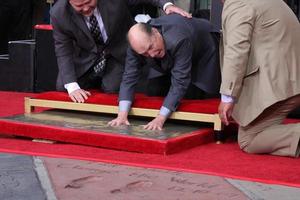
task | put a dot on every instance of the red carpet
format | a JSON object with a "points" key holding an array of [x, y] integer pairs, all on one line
{"points": [[12, 103], [223, 160]]}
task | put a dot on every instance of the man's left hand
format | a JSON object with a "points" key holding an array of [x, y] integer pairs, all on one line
{"points": [[174, 9], [156, 124], [225, 112]]}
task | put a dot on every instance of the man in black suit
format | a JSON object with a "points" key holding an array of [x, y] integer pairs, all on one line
{"points": [[90, 43], [182, 50]]}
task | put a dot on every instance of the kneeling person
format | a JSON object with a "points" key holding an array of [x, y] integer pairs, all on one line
{"points": [[185, 50]]}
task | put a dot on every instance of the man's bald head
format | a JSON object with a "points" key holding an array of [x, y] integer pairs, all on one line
{"points": [[139, 37], [146, 40]]}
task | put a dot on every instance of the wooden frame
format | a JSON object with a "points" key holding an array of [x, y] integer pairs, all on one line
{"points": [[30, 103]]}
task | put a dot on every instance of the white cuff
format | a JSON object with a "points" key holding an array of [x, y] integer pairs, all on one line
{"points": [[165, 111], [124, 105], [166, 5], [227, 99], [71, 87]]}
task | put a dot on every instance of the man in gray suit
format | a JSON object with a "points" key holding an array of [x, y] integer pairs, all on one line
{"points": [[90, 42], [185, 50]]}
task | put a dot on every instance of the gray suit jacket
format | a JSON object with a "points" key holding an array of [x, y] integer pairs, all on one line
{"points": [[191, 56], [75, 48]]}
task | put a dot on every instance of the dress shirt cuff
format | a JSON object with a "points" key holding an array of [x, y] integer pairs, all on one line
{"points": [[71, 87], [166, 5], [227, 99], [165, 111], [124, 105]]}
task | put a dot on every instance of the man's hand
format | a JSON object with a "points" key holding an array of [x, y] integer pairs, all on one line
{"points": [[120, 120], [174, 9], [79, 96], [156, 124], [225, 111]]}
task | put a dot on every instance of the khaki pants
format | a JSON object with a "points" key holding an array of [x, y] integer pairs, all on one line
{"points": [[267, 134]]}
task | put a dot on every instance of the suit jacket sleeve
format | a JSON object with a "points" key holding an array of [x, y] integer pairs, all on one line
{"points": [[64, 52], [158, 3], [237, 22], [131, 75], [180, 74]]}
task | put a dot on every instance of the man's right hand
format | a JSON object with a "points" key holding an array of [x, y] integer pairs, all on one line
{"points": [[79, 95], [174, 9], [120, 120], [225, 112]]}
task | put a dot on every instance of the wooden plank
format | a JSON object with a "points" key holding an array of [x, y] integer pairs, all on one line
{"points": [[178, 115], [28, 107], [44, 141]]}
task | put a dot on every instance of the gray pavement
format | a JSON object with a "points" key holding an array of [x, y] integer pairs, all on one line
{"points": [[18, 179], [39, 178]]}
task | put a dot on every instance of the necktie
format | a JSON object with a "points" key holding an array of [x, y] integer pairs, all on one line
{"points": [[95, 30]]}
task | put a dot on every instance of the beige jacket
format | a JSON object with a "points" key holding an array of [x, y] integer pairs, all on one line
{"points": [[260, 55]]}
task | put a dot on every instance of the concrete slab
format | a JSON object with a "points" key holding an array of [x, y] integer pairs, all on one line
{"points": [[92, 130], [41, 178], [77, 180], [18, 180]]}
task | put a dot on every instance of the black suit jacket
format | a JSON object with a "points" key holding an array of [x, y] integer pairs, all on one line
{"points": [[75, 48], [192, 56]]}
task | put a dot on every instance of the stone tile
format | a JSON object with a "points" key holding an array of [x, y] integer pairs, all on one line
{"points": [[258, 191], [18, 180], [79, 180]]}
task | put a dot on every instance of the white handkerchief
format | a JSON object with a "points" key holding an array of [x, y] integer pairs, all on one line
{"points": [[142, 18]]}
